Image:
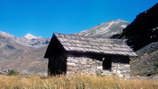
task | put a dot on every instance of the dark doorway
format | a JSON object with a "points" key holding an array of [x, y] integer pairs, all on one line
{"points": [[107, 64], [57, 65]]}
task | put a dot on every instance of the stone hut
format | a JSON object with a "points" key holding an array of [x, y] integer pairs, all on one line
{"points": [[70, 54]]}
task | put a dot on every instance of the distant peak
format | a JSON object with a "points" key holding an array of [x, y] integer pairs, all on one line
{"points": [[30, 36], [5, 34]]}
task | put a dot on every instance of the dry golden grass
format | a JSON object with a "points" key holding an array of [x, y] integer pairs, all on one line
{"points": [[74, 82]]}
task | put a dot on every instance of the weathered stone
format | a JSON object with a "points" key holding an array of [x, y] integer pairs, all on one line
{"points": [[92, 66], [71, 64], [72, 60], [99, 67], [4, 71]]}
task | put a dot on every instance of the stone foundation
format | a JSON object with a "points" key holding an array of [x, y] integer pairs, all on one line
{"points": [[121, 69], [93, 66]]}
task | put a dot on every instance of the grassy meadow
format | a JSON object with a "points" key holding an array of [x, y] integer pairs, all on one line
{"points": [[74, 82]]}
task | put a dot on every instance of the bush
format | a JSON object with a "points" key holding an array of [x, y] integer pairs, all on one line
{"points": [[12, 72]]}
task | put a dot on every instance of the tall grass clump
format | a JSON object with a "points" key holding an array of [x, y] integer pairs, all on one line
{"points": [[74, 82]]}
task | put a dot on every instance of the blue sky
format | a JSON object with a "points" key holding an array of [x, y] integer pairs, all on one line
{"points": [[44, 17]]}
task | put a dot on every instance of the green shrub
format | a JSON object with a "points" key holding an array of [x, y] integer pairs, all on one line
{"points": [[13, 72]]}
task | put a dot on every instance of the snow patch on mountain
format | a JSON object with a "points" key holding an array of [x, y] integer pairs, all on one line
{"points": [[30, 36], [123, 26]]}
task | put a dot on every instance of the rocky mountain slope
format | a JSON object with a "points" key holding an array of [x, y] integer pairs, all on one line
{"points": [[147, 60], [143, 30], [110, 29], [142, 36], [22, 54]]}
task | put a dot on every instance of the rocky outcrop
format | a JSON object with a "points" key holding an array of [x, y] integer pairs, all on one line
{"points": [[143, 30], [142, 36], [3, 71]]}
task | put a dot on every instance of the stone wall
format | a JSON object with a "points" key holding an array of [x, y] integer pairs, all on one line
{"points": [[93, 66], [121, 69]]}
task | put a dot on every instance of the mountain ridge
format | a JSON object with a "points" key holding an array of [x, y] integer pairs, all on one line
{"points": [[105, 30], [143, 30]]}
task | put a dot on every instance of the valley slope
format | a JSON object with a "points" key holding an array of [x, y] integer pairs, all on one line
{"points": [[22, 54]]}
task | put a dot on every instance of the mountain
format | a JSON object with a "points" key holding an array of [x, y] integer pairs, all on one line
{"points": [[30, 40], [142, 36], [111, 29], [143, 30], [35, 42], [24, 55], [30, 36]]}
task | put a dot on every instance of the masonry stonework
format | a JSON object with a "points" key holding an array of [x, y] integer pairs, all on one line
{"points": [[92, 66]]}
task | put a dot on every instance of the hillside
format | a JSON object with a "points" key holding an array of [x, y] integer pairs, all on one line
{"points": [[147, 61], [143, 30], [142, 36], [24, 55], [106, 30]]}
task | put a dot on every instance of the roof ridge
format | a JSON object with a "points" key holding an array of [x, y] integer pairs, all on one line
{"points": [[58, 35]]}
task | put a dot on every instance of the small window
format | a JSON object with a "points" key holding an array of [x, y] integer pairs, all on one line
{"points": [[107, 64]]}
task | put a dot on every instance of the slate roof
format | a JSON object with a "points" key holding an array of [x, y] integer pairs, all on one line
{"points": [[75, 43]]}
